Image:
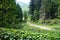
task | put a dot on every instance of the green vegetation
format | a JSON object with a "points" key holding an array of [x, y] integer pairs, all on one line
{"points": [[28, 33], [10, 13], [44, 10], [14, 18]]}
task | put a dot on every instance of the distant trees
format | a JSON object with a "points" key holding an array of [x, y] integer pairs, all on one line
{"points": [[10, 13], [43, 9], [19, 13], [25, 15]]}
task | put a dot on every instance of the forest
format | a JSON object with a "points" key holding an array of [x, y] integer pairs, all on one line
{"points": [[40, 20]]}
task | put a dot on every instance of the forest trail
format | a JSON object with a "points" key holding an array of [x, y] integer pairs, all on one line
{"points": [[42, 27]]}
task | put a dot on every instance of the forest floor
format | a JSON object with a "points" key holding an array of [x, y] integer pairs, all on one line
{"points": [[42, 27], [30, 31]]}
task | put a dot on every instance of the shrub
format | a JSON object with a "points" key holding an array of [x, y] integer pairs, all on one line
{"points": [[49, 22]]}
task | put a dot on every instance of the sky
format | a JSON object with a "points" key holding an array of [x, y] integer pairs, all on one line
{"points": [[24, 1]]}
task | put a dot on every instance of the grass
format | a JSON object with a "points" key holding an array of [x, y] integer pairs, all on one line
{"points": [[52, 25], [57, 27], [28, 33]]}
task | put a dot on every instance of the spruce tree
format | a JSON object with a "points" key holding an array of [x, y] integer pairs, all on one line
{"points": [[8, 13]]}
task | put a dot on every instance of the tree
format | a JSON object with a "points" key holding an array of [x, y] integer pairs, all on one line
{"points": [[19, 14], [25, 15], [45, 9], [8, 13], [34, 7]]}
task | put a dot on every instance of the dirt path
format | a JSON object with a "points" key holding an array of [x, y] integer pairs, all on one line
{"points": [[42, 27]]}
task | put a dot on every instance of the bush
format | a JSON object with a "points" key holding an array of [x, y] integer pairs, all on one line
{"points": [[28, 34], [49, 22]]}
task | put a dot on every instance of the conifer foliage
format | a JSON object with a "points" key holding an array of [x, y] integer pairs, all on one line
{"points": [[43, 9], [9, 13]]}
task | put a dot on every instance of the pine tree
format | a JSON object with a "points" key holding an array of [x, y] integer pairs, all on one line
{"points": [[19, 13], [8, 13], [45, 9]]}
